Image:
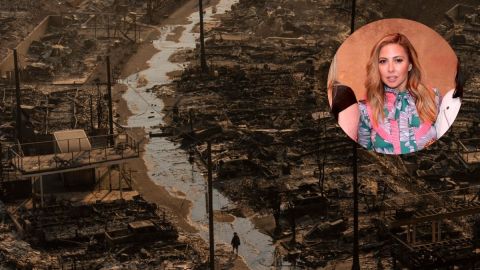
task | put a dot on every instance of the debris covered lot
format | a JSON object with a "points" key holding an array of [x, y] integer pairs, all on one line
{"points": [[98, 235]]}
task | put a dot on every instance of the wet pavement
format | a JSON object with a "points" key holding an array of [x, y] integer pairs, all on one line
{"points": [[168, 165]]}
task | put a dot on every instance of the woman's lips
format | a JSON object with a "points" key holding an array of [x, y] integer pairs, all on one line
{"points": [[392, 79]]}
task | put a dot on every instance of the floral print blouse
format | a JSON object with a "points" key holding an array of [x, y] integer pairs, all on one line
{"points": [[401, 131]]}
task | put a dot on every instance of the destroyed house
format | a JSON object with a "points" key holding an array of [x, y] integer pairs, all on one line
{"points": [[141, 231], [73, 159]]}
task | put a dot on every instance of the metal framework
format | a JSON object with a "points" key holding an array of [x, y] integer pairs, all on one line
{"points": [[469, 152], [102, 153], [443, 254], [434, 208]]}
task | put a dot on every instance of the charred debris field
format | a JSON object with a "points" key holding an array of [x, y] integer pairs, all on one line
{"points": [[77, 191]]}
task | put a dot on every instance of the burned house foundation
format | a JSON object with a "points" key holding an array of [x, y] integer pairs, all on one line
{"points": [[83, 235]]}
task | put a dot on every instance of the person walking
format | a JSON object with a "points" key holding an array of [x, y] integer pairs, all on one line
{"points": [[235, 243]]}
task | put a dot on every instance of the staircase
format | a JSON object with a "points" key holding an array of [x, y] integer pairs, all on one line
{"points": [[4, 176]]}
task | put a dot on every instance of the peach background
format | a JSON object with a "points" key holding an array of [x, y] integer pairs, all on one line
{"points": [[438, 60]]}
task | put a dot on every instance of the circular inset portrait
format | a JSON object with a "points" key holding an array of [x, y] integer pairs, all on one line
{"points": [[393, 86]]}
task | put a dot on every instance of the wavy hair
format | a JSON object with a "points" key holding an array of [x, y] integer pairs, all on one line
{"points": [[424, 98]]}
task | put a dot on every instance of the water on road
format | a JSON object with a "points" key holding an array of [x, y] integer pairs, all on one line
{"points": [[168, 165]]}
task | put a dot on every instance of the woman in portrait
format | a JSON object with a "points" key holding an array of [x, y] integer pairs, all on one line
{"points": [[399, 113]]}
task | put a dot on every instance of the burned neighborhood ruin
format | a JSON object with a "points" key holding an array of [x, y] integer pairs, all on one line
{"points": [[141, 134]]}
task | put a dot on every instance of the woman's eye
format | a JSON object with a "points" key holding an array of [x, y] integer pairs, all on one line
{"points": [[399, 60], [382, 61]]}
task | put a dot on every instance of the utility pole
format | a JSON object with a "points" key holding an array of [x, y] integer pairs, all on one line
{"points": [[99, 105], [356, 259], [352, 18], [135, 27], [293, 222], [110, 110], [91, 113], [18, 116], [149, 11], [210, 206], [46, 113], [203, 61], [95, 27], [321, 163], [1, 170]]}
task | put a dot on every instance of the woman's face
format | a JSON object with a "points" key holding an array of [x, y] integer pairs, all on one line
{"points": [[393, 65]]}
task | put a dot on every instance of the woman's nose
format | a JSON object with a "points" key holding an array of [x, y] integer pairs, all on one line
{"points": [[390, 66]]}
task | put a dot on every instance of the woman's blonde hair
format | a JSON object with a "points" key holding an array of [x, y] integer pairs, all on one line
{"points": [[424, 98]]}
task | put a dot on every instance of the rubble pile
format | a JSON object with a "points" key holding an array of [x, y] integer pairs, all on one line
{"points": [[68, 53], [59, 110], [76, 40], [61, 50], [59, 223], [7, 107], [11, 247], [105, 234], [17, 19], [9, 30]]}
